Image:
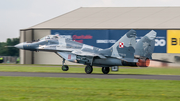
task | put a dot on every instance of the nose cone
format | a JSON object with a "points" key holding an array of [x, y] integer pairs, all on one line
{"points": [[20, 46]]}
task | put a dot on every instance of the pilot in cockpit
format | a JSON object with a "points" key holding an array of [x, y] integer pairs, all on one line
{"points": [[49, 37]]}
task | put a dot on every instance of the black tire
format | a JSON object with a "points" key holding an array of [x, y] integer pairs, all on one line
{"points": [[105, 70], [65, 68], [88, 69]]}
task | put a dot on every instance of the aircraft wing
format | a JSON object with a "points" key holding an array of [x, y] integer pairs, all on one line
{"points": [[82, 53]]}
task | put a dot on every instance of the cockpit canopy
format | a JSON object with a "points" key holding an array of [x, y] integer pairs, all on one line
{"points": [[49, 37]]}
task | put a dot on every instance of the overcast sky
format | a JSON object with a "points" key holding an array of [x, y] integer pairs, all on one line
{"points": [[21, 14]]}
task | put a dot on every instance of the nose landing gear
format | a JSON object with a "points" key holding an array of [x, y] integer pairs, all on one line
{"points": [[64, 67]]}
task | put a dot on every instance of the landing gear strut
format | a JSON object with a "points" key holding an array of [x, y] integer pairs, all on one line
{"points": [[105, 70], [64, 67], [88, 69]]}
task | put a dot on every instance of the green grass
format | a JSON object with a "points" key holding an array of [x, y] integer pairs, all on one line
{"points": [[81, 89], [80, 69]]}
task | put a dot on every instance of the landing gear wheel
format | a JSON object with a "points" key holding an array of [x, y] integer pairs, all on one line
{"points": [[105, 70], [65, 68], [88, 69]]}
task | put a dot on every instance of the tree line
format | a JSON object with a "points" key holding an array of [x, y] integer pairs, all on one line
{"points": [[9, 51]]}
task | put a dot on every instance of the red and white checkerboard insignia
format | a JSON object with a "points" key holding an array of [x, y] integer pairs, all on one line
{"points": [[121, 44]]}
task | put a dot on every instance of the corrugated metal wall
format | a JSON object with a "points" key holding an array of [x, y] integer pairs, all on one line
{"points": [[25, 56]]}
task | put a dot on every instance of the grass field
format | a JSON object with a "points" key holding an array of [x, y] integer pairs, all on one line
{"points": [[80, 89], [80, 69], [87, 89]]}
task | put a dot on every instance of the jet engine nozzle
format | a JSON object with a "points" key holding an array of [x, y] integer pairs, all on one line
{"points": [[143, 62]]}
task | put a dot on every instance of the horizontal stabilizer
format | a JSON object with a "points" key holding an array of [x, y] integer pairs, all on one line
{"points": [[139, 57], [164, 61]]}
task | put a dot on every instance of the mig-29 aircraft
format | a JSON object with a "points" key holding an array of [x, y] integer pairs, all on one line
{"points": [[125, 52]]}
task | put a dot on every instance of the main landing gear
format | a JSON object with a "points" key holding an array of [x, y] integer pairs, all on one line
{"points": [[64, 67], [105, 70], [89, 69]]}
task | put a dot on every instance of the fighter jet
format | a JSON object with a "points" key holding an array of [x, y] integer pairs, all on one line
{"points": [[125, 52]]}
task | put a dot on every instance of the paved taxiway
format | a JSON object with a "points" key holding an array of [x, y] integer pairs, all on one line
{"points": [[81, 75]]}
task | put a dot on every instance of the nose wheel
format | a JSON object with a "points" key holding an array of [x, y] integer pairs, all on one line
{"points": [[64, 67]]}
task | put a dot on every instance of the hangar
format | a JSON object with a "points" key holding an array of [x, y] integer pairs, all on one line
{"points": [[88, 22]]}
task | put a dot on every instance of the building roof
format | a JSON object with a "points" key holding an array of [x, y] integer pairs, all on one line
{"points": [[116, 18]]}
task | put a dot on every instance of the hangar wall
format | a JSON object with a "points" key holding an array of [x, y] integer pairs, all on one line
{"points": [[21, 52], [28, 57]]}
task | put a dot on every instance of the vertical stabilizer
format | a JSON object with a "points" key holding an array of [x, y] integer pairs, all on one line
{"points": [[145, 46], [125, 47]]}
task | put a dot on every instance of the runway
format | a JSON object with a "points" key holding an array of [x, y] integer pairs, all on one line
{"points": [[81, 75]]}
